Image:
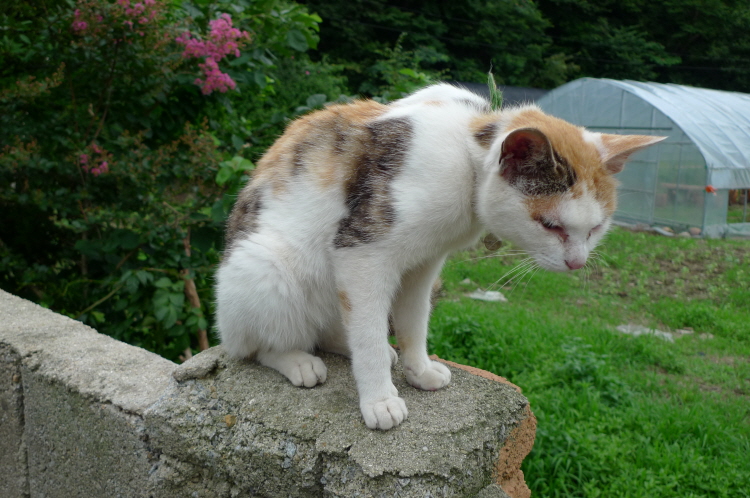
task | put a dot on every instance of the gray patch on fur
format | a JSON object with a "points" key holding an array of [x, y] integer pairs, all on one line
{"points": [[368, 191], [299, 162], [542, 172], [244, 216], [486, 135], [547, 176]]}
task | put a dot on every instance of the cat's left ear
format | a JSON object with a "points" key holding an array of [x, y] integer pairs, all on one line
{"points": [[617, 149]]}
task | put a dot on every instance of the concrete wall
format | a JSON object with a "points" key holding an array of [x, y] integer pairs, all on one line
{"points": [[84, 415]]}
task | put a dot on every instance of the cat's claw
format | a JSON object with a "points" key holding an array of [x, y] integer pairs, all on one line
{"points": [[385, 413], [430, 377]]}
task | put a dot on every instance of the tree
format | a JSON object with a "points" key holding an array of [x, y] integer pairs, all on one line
{"points": [[455, 40], [695, 42]]}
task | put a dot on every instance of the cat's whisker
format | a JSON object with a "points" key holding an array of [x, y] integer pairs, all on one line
{"points": [[495, 255], [510, 274], [529, 274], [516, 273]]}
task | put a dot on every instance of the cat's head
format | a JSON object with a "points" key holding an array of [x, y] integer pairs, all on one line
{"points": [[548, 185]]}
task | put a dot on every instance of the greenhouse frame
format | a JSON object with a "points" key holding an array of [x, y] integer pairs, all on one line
{"points": [[698, 177]]}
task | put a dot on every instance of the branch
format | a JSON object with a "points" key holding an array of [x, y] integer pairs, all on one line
{"points": [[112, 293]]}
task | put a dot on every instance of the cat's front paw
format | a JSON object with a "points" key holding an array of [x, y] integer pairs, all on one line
{"points": [[384, 413], [428, 377]]}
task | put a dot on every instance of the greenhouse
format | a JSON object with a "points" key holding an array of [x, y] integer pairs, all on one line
{"points": [[699, 177]]}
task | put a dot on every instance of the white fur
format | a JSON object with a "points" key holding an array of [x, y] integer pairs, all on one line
{"points": [[278, 289]]}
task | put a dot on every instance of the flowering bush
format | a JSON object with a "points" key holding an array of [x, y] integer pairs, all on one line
{"points": [[116, 170], [223, 40]]}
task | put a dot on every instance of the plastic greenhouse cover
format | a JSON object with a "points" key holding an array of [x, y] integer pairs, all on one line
{"points": [[717, 122]]}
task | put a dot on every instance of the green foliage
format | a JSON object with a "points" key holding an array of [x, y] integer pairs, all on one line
{"points": [[698, 43], [116, 172], [456, 40], [544, 43]]}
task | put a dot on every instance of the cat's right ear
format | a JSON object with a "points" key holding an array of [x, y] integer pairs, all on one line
{"points": [[525, 152]]}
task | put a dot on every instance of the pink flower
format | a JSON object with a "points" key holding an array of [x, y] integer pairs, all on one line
{"points": [[123, 3], [83, 158], [223, 40], [80, 25], [215, 79], [101, 169], [96, 149]]}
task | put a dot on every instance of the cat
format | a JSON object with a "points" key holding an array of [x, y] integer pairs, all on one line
{"points": [[351, 213]]}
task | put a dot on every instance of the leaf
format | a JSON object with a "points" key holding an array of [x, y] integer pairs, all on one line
{"points": [[171, 317], [316, 100], [296, 39], [144, 276], [224, 175], [177, 299], [163, 282], [192, 11], [237, 142], [218, 214], [259, 77], [241, 60], [161, 312]]}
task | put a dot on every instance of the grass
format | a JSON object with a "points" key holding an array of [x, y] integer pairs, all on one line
{"points": [[737, 213], [619, 416]]}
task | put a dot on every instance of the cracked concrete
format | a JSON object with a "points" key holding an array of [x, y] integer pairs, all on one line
{"points": [[85, 415]]}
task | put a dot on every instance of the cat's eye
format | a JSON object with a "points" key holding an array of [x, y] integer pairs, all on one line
{"points": [[597, 227], [551, 226]]}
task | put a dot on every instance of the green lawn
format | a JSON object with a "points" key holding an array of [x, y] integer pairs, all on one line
{"points": [[618, 415]]}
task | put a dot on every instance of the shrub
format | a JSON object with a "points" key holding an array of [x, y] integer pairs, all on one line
{"points": [[120, 152]]}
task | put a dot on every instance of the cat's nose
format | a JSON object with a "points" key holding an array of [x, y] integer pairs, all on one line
{"points": [[574, 264]]}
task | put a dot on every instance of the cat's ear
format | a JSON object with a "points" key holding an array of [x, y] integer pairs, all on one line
{"points": [[525, 151], [617, 149]]}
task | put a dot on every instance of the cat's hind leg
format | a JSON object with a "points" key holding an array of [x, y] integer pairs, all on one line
{"points": [[263, 312]]}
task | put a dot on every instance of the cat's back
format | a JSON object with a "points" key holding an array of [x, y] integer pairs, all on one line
{"points": [[305, 170], [355, 158]]}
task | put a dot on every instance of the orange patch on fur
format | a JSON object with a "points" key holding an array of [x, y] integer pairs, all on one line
{"points": [[539, 206], [346, 305], [322, 143]]}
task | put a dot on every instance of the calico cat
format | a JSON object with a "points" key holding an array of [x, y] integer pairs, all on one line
{"points": [[350, 215]]}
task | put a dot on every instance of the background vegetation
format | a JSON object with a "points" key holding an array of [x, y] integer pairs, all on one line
{"points": [[619, 416], [127, 127]]}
